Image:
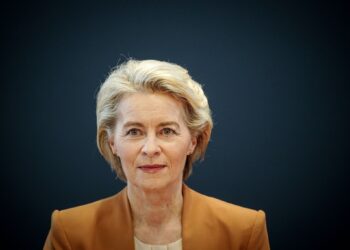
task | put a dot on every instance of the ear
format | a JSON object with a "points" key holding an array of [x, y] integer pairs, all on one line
{"points": [[112, 144], [192, 145]]}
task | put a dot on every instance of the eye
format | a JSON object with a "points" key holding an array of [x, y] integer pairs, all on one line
{"points": [[134, 132], [168, 131]]}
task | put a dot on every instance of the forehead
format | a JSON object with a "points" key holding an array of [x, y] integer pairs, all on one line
{"points": [[150, 107]]}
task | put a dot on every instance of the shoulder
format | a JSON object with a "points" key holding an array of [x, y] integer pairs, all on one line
{"points": [[234, 216], [83, 226], [89, 211], [223, 210], [235, 225], [82, 219]]}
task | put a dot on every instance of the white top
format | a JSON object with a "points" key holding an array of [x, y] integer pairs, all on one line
{"points": [[176, 245]]}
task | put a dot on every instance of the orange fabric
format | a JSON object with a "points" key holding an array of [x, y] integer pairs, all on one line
{"points": [[207, 224]]}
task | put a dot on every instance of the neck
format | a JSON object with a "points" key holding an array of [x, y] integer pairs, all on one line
{"points": [[155, 207]]}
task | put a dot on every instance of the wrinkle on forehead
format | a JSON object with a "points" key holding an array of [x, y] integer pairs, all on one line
{"points": [[150, 107]]}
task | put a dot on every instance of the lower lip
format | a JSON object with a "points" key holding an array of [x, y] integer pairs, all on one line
{"points": [[151, 170]]}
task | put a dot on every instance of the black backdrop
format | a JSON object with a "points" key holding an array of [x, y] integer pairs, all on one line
{"points": [[274, 73]]}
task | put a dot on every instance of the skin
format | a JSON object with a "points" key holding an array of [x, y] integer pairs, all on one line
{"points": [[151, 130]]}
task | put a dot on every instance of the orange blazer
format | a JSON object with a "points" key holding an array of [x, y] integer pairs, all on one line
{"points": [[207, 224]]}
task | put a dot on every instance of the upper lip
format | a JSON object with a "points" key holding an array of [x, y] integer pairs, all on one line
{"points": [[152, 166]]}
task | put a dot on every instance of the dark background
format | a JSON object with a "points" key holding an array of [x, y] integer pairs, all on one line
{"points": [[275, 73]]}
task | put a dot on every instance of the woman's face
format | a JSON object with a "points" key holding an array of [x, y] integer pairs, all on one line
{"points": [[152, 140]]}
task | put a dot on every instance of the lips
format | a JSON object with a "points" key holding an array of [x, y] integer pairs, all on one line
{"points": [[154, 168]]}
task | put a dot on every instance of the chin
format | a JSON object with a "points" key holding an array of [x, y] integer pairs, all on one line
{"points": [[153, 185]]}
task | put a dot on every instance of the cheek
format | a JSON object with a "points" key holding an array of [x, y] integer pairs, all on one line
{"points": [[126, 151], [179, 153]]}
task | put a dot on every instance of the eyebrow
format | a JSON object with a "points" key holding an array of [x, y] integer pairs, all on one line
{"points": [[139, 124], [163, 124], [132, 124]]}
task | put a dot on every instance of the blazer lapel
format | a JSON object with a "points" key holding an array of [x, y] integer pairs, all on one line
{"points": [[121, 223], [195, 227]]}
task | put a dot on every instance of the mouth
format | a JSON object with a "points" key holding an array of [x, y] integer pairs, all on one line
{"points": [[152, 168]]}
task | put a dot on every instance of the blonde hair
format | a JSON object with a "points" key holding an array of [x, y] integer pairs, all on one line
{"points": [[152, 76]]}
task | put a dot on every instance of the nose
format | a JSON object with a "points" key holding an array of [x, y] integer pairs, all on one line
{"points": [[151, 147]]}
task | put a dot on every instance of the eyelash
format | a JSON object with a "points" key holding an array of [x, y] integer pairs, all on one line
{"points": [[132, 130], [172, 131]]}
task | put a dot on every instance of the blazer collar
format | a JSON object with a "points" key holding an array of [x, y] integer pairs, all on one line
{"points": [[195, 226], [121, 222]]}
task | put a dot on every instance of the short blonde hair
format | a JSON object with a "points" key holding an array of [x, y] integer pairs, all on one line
{"points": [[152, 76]]}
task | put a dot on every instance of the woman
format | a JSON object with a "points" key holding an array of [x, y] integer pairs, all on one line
{"points": [[153, 122]]}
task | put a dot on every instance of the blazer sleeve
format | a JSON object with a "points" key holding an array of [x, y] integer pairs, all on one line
{"points": [[57, 238], [259, 239]]}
